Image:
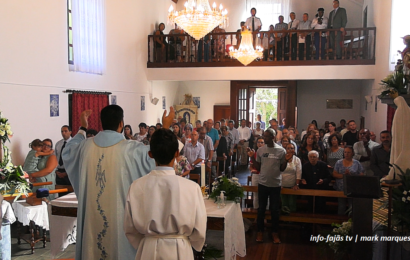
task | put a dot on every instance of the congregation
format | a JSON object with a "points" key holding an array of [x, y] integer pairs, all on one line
{"points": [[290, 45]]}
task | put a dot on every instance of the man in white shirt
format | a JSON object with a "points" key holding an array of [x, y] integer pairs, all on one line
{"points": [[244, 136], [363, 150], [292, 40], [320, 23], [305, 39], [61, 174], [254, 24]]}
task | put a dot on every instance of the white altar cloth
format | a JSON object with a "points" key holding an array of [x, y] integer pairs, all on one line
{"points": [[234, 230], [26, 213], [63, 230]]}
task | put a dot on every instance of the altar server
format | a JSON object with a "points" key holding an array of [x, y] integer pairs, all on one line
{"points": [[165, 214], [101, 170]]}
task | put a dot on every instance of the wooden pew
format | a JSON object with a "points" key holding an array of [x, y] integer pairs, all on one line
{"points": [[302, 217]]}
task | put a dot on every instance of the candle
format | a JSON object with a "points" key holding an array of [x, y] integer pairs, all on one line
{"points": [[202, 173]]}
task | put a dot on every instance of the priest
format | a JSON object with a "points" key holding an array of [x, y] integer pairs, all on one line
{"points": [[165, 214], [101, 170]]}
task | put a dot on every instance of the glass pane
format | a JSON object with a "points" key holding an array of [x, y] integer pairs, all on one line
{"points": [[70, 20], [240, 93], [69, 4], [70, 37], [70, 53]]}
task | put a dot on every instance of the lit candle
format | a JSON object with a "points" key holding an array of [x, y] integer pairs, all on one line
{"points": [[214, 6], [220, 7], [171, 8], [202, 173]]}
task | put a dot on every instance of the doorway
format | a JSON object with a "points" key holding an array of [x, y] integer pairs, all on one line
{"points": [[243, 100], [264, 101]]}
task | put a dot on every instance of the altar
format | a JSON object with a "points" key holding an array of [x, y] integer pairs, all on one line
{"points": [[63, 222]]}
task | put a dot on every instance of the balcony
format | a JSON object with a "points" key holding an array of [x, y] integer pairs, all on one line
{"points": [[357, 48]]}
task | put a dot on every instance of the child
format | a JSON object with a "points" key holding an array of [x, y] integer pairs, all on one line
{"points": [[165, 214], [31, 162]]}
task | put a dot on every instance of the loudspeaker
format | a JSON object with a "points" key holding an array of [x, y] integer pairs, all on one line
{"points": [[154, 101]]}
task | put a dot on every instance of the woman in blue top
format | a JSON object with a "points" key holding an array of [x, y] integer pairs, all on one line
{"points": [[349, 166]]}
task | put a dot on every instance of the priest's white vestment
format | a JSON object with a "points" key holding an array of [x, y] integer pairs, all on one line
{"points": [[164, 216], [101, 170]]}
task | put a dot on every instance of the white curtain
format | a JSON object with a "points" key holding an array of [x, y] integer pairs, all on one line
{"points": [[399, 28], [88, 36], [269, 10]]}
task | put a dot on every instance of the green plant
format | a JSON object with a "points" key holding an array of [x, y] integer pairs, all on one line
{"points": [[341, 247], [396, 81], [11, 177], [401, 202], [232, 188]]}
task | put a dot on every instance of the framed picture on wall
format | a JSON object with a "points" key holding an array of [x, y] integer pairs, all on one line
{"points": [[197, 101], [339, 103], [164, 102], [142, 103], [113, 100], [54, 105]]}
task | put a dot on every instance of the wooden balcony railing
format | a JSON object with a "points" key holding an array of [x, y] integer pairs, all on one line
{"points": [[355, 46]]}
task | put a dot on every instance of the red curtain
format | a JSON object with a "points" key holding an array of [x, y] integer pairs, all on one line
{"points": [[84, 101], [390, 116]]}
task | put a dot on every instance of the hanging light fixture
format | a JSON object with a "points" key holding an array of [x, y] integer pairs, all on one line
{"points": [[246, 53], [198, 19]]}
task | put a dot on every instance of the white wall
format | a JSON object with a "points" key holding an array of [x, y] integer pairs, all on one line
{"points": [[34, 64], [211, 93], [312, 96]]}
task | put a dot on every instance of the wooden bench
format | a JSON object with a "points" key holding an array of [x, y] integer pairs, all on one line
{"points": [[302, 217]]}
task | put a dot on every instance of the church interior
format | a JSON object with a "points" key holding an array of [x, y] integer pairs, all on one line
{"points": [[34, 66]]}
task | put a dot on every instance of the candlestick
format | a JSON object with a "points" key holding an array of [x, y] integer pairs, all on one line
{"points": [[202, 173]]}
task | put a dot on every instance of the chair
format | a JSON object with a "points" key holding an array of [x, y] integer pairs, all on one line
{"points": [[234, 163], [221, 160], [195, 177], [249, 195]]}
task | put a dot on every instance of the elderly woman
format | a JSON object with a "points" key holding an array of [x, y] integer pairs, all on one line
{"points": [[315, 175], [291, 177], [349, 166], [46, 167]]}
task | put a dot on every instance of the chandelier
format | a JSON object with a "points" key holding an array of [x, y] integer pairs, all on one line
{"points": [[198, 19], [246, 53]]}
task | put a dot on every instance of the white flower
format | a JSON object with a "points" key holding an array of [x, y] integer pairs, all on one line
{"points": [[403, 199], [408, 198], [220, 177], [9, 132], [235, 179], [405, 192], [7, 127], [2, 133]]}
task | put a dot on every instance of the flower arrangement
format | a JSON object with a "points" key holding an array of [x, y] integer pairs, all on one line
{"points": [[11, 177], [401, 203], [5, 129], [341, 247], [232, 188], [395, 82]]}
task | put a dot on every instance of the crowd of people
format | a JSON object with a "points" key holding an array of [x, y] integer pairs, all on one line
{"points": [[275, 45], [278, 156]]}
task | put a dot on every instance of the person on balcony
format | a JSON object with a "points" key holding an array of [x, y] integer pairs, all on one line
{"points": [[320, 23], [337, 20], [254, 24], [160, 44], [305, 39], [292, 38], [176, 44], [280, 36], [268, 39]]}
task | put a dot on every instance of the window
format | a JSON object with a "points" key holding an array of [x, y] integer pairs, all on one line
{"points": [[70, 33], [86, 31], [269, 10], [398, 29]]}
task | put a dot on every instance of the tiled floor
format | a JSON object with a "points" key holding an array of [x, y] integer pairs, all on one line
{"points": [[23, 251]]}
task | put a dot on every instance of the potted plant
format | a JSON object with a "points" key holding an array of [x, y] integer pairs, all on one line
{"points": [[12, 179], [231, 187], [395, 82]]}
